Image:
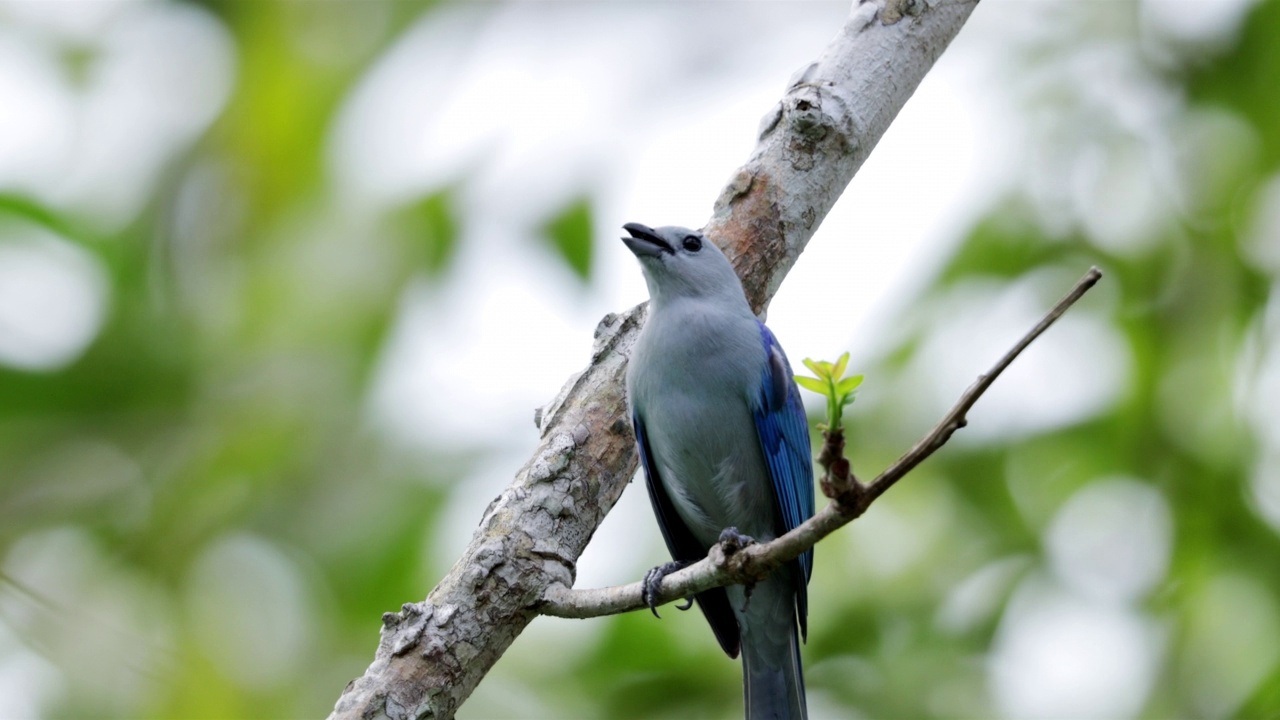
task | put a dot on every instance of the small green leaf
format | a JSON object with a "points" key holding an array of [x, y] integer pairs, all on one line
{"points": [[841, 364], [813, 384], [814, 366], [849, 384]]}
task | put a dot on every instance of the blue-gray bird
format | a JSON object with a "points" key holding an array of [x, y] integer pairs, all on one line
{"points": [[724, 443]]}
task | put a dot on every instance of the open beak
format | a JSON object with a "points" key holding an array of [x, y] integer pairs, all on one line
{"points": [[644, 242]]}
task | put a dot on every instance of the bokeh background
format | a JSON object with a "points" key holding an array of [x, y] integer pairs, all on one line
{"points": [[282, 284]]}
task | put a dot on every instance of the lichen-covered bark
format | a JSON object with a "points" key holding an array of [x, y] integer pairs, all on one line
{"points": [[433, 653]]}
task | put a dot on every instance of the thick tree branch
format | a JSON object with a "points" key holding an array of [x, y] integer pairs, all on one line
{"points": [[433, 653], [849, 499]]}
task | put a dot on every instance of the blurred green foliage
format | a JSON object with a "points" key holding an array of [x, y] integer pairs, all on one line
{"points": [[204, 473], [430, 227], [570, 235]]}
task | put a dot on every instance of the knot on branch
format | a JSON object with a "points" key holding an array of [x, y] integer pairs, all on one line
{"points": [[895, 10], [838, 482], [820, 125], [403, 630], [809, 126]]}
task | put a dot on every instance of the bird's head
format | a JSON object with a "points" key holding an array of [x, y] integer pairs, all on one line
{"points": [[679, 262]]}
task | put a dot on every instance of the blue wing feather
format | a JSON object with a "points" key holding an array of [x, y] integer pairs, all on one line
{"points": [[783, 430]]}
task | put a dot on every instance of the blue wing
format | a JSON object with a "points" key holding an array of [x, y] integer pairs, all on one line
{"points": [[783, 431], [714, 603]]}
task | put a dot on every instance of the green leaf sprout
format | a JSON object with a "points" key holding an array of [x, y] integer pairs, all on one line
{"points": [[829, 381]]}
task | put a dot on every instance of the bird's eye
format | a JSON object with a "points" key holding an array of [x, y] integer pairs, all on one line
{"points": [[692, 243]]}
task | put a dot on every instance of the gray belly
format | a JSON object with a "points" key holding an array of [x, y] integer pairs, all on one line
{"points": [[709, 460], [694, 370]]}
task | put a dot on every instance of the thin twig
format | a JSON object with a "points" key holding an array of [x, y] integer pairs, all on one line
{"points": [[957, 419], [849, 499]]}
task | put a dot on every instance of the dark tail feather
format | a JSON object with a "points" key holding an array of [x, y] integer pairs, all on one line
{"points": [[773, 686]]}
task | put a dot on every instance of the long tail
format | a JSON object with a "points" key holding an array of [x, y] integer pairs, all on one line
{"points": [[773, 690], [772, 677]]}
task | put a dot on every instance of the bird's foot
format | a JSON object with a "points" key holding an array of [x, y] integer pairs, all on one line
{"points": [[652, 584], [732, 541]]}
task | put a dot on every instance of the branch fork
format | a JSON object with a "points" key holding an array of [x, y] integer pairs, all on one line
{"points": [[729, 562]]}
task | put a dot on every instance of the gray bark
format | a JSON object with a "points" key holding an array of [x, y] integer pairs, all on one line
{"points": [[433, 653]]}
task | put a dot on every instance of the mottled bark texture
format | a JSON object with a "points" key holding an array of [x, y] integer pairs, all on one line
{"points": [[433, 653]]}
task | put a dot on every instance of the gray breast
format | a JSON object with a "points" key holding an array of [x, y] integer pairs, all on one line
{"points": [[694, 377]]}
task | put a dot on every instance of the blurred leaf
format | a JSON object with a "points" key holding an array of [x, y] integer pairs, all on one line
{"points": [[1265, 701], [1005, 243], [812, 384], [1246, 77], [34, 211], [637, 655], [570, 235], [820, 369], [849, 384], [432, 231], [279, 117], [841, 364]]}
